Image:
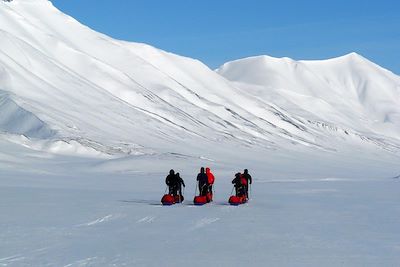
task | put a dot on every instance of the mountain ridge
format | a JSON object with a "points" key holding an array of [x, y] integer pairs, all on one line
{"points": [[366, 87], [103, 92]]}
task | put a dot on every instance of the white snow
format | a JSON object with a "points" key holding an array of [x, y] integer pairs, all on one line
{"points": [[90, 126], [348, 91]]}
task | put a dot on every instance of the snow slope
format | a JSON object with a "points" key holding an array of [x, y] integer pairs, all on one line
{"points": [[85, 85], [71, 83]]}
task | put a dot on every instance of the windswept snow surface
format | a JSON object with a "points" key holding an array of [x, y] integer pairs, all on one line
{"points": [[90, 126], [83, 218]]}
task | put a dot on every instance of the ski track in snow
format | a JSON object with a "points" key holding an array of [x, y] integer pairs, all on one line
{"points": [[228, 208], [83, 262], [12, 259], [204, 222], [315, 191], [100, 220], [147, 219]]}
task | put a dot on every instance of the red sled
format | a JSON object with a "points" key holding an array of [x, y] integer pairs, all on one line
{"points": [[200, 200], [209, 197], [235, 200], [168, 200]]}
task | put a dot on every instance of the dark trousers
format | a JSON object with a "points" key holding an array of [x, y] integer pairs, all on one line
{"points": [[240, 190], [246, 188], [203, 189], [173, 190]]}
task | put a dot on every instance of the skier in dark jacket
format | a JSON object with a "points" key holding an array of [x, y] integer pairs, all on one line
{"points": [[172, 182], [203, 182], [239, 187], [180, 183], [247, 176]]}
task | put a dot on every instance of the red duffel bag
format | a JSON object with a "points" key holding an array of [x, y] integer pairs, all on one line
{"points": [[200, 200], [168, 200], [209, 197], [235, 200]]}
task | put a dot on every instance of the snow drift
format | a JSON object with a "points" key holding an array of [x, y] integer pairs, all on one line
{"points": [[17, 120]]}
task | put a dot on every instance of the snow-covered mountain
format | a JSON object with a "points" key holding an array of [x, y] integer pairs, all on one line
{"points": [[349, 91], [63, 81], [65, 88]]}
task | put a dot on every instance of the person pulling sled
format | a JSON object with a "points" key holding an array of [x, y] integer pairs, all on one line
{"points": [[210, 179], [240, 188], [210, 183], [249, 180], [203, 182], [180, 184], [174, 183], [204, 179], [240, 196]]}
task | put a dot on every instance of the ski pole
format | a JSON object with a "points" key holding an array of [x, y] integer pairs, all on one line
{"points": [[183, 194], [166, 188], [232, 190], [195, 191]]}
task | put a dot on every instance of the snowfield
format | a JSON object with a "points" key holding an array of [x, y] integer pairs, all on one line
{"points": [[90, 127], [114, 220]]}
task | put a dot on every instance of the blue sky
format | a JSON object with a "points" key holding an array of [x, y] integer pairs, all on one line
{"points": [[216, 31]]}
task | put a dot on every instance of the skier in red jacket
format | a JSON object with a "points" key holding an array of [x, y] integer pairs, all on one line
{"points": [[210, 179]]}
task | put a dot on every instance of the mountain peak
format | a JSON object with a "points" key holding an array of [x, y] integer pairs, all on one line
{"points": [[352, 56]]}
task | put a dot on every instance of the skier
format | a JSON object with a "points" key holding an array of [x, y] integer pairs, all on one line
{"points": [[202, 179], [239, 187], [180, 183], [210, 180], [172, 182], [249, 180]]}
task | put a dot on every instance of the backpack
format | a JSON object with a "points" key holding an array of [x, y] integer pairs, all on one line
{"points": [[211, 178], [243, 180]]}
